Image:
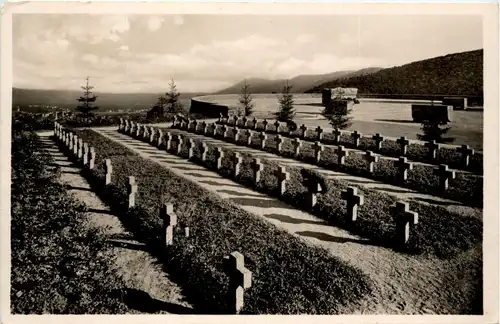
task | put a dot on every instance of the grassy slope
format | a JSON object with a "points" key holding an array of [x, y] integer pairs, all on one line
{"points": [[218, 228], [457, 74], [58, 265]]}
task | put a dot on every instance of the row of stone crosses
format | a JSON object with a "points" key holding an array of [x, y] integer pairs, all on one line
{"points": [[240, 278], [402, 164], [433, 147], [403, 216]]}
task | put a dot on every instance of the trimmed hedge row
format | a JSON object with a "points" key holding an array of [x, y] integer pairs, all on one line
{"points": [[58, 266], [466, 187], [439, 232], [289, 277], [389, 147]]}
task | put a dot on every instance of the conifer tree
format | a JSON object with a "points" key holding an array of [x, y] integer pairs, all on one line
{"points": [[434, 129], [286, 112], [172, 99], [87, 100], [246, 100]]}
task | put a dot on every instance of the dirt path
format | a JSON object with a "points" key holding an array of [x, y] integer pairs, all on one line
{"points": [[403, 284], [149, 289]]}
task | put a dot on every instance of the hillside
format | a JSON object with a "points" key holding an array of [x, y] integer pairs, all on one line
{"points": [[457, 74], [106, 101], [299, 83]]}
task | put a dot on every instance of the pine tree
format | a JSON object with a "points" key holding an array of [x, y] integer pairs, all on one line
{"points": [[337, 112], [87, 99], [286, 112], [246, 100], [172, 99], [158, 109]]}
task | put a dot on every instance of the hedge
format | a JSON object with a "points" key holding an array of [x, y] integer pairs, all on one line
{"points": [[466, 187], [440, 231], [389, 147], [289, 276], [59, 266]]}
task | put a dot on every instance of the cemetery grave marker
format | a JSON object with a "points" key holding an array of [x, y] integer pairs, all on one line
{"points": [[444, 175], [240, 278], [355, 137], [403, 144], [433, 148], [109, 171], [169, 218], [282, 176], [341, 154], [297, 144], [371, 159], [132, 190], [404, 220], [403, 166], [353, 200], [257, 168], [378, 141], [466, 154], [237, 160]]}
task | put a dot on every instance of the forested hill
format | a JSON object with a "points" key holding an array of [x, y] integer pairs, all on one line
{"points": [[453, 74]]}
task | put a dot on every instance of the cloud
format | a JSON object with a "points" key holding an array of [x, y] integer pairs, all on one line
{"points": [[154, 23], [306, 38], [178, 20]]}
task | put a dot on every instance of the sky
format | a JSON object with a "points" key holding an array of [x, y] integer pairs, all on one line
{"points": [[205, 53]]}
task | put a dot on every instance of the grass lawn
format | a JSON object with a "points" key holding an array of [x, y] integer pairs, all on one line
{"points": [[289, 276]]}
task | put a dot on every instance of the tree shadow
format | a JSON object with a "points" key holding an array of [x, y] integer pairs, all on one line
{"points": [[143, 302], [390, 190], [405, 121], [292, 220], [129, 245], [330, 238], [438, 202]]}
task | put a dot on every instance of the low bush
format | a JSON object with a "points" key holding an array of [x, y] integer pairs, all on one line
{"points": [[439, 232], [289, 277], [59, 266], [466, 188], [416, 152]]}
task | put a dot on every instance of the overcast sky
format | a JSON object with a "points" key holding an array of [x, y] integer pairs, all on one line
{"points": [[142, 53]]}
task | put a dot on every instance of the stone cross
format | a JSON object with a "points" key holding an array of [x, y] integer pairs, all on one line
{"points": [[216, 127], [282, 176], [109, 170], [353, 200], [319, 132], [224, 131], [145, 135], [204, 151], [277, 125], [378, 141], [131, 190], [190, 145], [219, 154], [336, 135], [133, 127], [249, 135], [257, 168], [433, 148], [221, 118], [313, 188], [240, 278], [235, 119], [444, 175], [342, 153], [152, 135], [244, 121], [236, 132], [138, 131], [263, 138], [303, 128], [371, 159], [279, 143], [318, 148], [120, 127], [403, 166], [80, 148], [70, 142], [237, 160], [92, 158], [179, 144], [127, 126], [254, 123], [169, 221], [297, 144], [75, 145], [168, 141], [355, 137], [85, 153], [404, 220], [466, 154], [265, 122], [403, 144], [160, 137], [195, 125], [186, 231]]}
